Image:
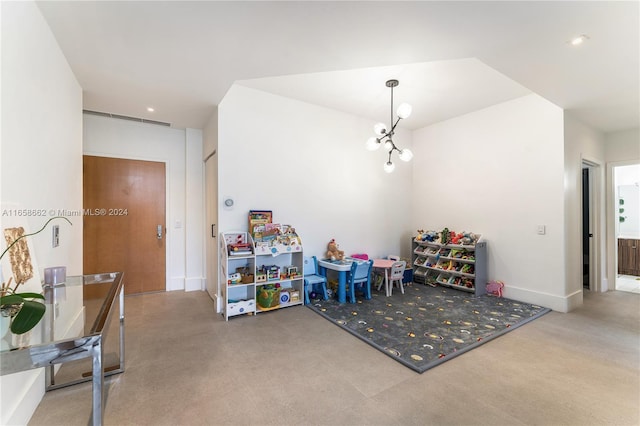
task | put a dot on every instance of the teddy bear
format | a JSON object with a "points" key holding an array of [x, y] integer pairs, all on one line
{"points": [[332, 251]]}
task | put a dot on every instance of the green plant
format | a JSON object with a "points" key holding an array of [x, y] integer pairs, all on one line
{"points": [[25, 311]]}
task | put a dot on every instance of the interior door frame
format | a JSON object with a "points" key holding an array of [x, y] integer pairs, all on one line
{"points": [[211, 228], [596, 218], [168, 202], [612, 243]]}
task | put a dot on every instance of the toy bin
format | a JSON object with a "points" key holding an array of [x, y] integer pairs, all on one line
{"points": [[246, 274], [443, 279], [447, 265], [444, 252], [431, 278], [238, 307], [268, 297], [454, 280], [467, 268], [420, 276], [431, 251]]}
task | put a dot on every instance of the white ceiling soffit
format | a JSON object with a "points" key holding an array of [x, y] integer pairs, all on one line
{"points": [[181, 57], [436, 90]]}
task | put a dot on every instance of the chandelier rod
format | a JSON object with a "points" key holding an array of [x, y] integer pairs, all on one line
{"points": [[391, 84], [391, 114]]}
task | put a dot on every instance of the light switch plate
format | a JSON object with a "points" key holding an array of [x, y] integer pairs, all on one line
{"points": [[55, 240]]}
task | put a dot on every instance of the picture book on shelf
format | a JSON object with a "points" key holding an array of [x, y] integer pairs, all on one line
{"points": [[258, 219], [272, 229], [263, 216]]}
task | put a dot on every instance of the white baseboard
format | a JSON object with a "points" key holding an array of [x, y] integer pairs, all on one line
{"points": [[574, 300], [27, 390], [556, 303], [175, 283], [194, 284]]}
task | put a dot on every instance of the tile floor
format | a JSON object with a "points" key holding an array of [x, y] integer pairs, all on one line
{"points": [[628, 283], [187, 366]]}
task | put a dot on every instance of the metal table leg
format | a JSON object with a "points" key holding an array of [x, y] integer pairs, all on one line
{"points": [[98, 383]]}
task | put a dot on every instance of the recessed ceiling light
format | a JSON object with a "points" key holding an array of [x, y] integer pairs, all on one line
{"points": [[576, 41], [150, 109]]}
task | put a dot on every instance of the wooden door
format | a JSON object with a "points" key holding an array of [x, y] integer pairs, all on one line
{"points": [[124, 203]]}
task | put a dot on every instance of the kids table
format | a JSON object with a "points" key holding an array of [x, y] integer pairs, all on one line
{"points": [[341, 267], [386, 265]]}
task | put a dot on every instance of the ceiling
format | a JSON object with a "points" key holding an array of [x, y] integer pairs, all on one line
{"points": [[451, 57]]}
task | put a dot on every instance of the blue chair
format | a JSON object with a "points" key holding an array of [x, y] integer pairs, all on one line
{"points": [[312, 279], [359, 279]]}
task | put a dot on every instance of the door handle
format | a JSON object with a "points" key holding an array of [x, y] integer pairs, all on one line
{"points": [[159, 232]]}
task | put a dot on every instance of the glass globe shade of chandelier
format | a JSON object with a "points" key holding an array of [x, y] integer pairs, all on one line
{"points": [[384, 135]]}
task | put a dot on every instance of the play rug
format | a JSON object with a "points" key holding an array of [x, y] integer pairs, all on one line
{"points": [[427, 325]]}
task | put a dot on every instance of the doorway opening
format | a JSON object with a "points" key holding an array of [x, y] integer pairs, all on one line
{"points": [[626, 217], [586, 233]]}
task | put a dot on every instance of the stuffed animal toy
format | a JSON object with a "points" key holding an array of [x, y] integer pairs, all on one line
{"points": [[495, 287], [445, 236], [468, 238], [430, 236], [456, 238], [332, 251]]}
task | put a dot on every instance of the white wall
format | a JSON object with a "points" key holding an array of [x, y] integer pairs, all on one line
{"points": [[500, 172], [194, 212], [309, 165], [41, 159], [177, 148], [623, 146]]}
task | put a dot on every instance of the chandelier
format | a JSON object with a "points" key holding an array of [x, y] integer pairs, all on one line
{"points": [[385, 136]]}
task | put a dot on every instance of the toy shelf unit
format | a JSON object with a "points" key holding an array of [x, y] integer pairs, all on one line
{"points": [[260, 276], [461, 264], [279, 280], [237, 274]]}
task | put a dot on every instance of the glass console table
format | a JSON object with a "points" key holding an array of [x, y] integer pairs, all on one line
{"points": [[74, 335]]}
